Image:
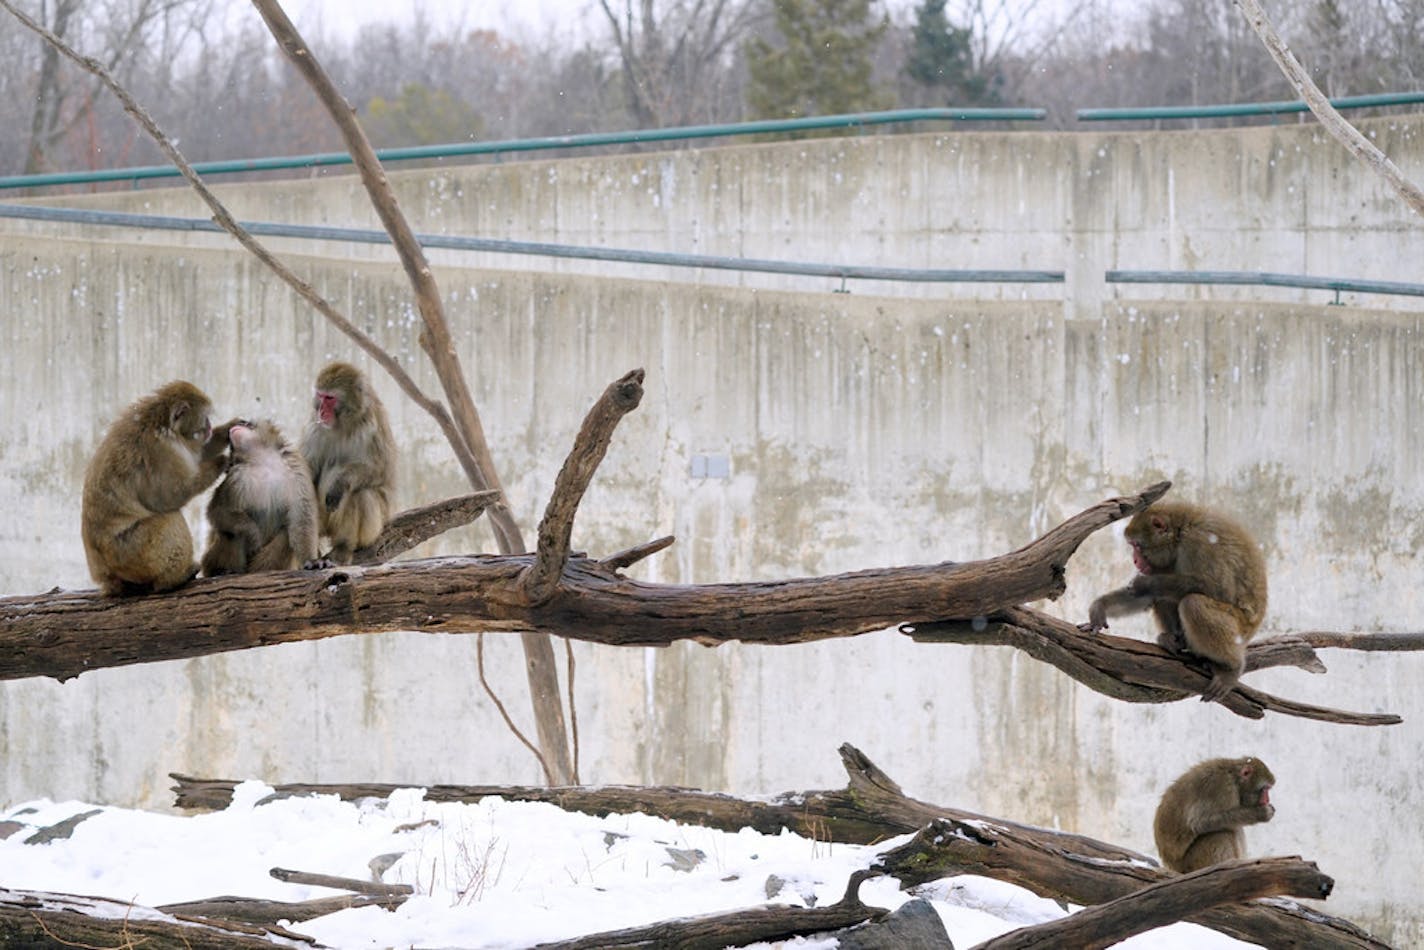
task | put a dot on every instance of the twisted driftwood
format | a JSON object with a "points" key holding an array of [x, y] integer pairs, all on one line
{"points": [[873, 808]]}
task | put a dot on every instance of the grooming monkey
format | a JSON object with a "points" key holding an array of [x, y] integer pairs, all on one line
{"points": [[1199, 820], [264, 512], [160, 453], [1203, 577], [351, 454]]}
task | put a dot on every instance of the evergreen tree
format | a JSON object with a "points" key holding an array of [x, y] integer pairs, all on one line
{"points": [[823, 65], [941, 59]]}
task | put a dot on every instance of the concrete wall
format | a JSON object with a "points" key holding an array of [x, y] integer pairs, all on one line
{"points": [[861, 431], [1283, 198]]}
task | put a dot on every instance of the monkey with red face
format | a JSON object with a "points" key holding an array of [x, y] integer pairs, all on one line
{"points": [[1203, 577], [349, 448]]}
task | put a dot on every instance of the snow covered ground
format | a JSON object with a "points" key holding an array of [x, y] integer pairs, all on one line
{"points": [[491, 874]]}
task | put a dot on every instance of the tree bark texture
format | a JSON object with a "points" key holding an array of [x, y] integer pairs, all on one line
{"points": [[872, 808]]}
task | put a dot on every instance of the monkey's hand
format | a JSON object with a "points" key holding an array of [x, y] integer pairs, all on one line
{"points": [[318, 564], [217, 442], [1097, 618]]}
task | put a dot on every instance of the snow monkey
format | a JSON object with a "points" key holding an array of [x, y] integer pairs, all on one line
{"points": [[158, 454], [351, 454], [1199, 820], [1204, 578], [264, 513]]}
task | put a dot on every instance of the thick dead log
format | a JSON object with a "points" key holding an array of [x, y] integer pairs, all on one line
{"points": [[65, 633], [872, 808], [1096, 928], [1134, 670], [735, 928], [42, 919], [416, 525]]}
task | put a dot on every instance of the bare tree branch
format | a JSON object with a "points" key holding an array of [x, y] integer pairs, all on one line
{"points": [[590, 446], [1331, 120], [1133, 670], [417, 525]]}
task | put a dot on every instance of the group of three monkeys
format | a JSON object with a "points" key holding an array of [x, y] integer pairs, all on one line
{"points": [[1200, 573], [274, 502]]}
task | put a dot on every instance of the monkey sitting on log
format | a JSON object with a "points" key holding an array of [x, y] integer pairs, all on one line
{"points": [[1204, 578], [158, 454], [264, 512], [1199, 820], [349, 448]]}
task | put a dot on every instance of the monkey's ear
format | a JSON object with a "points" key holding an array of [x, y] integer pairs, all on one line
{"points": [[179, 410], [1159, 524], [1246, 769]]}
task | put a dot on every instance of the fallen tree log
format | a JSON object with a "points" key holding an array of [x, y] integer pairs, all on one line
{"points": [[1157, 905], [65, 633], [43, 919], [872, 808]]}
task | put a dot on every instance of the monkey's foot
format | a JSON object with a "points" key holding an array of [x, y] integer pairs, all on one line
{"points": [[318, 564], [1218, 688]]}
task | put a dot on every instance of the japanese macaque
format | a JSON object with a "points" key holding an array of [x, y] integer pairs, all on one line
{"points": [[1204, 578], [264, 512], [157, 455], [1199, 820], [351, 454]]}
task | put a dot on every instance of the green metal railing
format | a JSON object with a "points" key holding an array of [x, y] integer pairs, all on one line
{"points": [[589, 140], [842, 272], [1245, 108], [1265, 279]]}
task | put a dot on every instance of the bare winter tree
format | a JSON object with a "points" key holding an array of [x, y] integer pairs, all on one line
{"points": [[674, 54]]}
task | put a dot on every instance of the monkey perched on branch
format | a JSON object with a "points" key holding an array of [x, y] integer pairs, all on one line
{"points": [[160, 453], [1199, 820], [1204, 578], [264, 512], [349, 448]]}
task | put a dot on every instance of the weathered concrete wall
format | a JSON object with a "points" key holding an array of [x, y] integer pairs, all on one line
{"points": [[861, 431], [1281, 198]]}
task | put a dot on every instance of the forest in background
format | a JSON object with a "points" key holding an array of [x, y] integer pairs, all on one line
{"points": [[211, 76]]}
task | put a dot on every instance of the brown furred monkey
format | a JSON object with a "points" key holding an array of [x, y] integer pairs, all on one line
{"points": [[157, 455], [264, 512], [351, 454], [1199, 820], [1204, 578]]}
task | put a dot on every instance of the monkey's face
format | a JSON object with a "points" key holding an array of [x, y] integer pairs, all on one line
{"points": [[1153, 542], [1255, 782], [242, 437], [327, 404]]}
